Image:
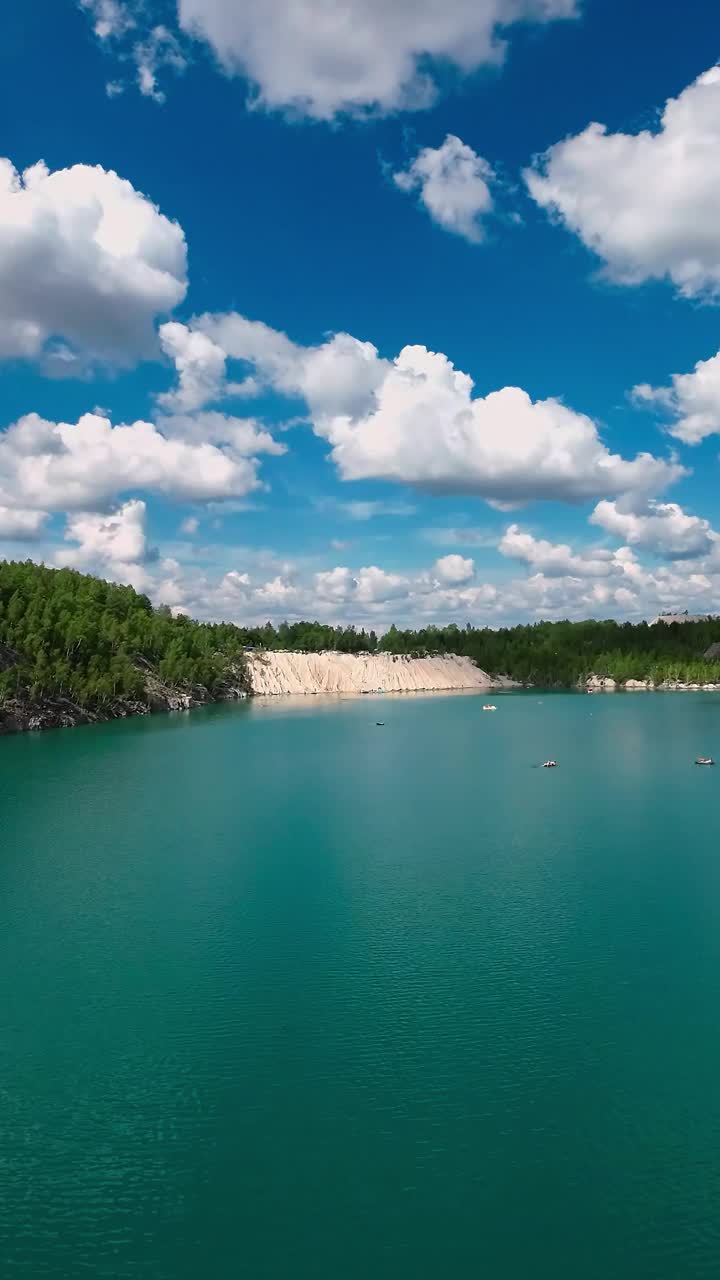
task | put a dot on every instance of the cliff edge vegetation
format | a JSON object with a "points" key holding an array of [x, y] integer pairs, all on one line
{"points": [[74, 649]]}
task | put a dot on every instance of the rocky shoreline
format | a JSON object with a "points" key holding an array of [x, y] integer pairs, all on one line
{"points": [[21, 715], [606, 684]]}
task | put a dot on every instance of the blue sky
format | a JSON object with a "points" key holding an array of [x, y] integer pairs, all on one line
{"points": [[229, 186]]}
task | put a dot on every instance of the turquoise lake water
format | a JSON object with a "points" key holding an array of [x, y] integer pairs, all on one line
{"points": [[287, 995]]}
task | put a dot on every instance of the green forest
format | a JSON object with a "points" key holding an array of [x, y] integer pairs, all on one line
{"points": [[65, 633]]}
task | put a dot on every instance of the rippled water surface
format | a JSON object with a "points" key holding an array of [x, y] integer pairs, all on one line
{"points": [[288, 995]]}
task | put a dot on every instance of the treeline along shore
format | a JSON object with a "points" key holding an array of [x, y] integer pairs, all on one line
{"points": [[75, 649]]}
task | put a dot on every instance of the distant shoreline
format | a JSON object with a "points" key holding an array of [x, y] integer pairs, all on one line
{"points": [[265, 674], [282, 673], [606, 684]]}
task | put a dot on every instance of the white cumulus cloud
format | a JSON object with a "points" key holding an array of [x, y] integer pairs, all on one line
{"points": [[247, 585], [200, 365], [663, 527], [376, 586], [320, 58], [454, 569], [426, 429], [85, 261], [54, 466], [109, 542], [277, 593], [112, 546], [371, 585], [555, 559], [241, 437], [454, 185], [17, 523], [415, 421], [569, 584], [335, 584], [692, 400], [338, 377], [646, 203], [572, 584]]}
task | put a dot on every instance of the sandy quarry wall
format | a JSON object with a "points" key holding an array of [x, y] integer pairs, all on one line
{"points": [[282, 672]]}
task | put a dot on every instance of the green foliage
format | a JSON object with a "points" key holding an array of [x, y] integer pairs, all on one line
{"points": [[309, 637], [559, 654], [65, 633]]}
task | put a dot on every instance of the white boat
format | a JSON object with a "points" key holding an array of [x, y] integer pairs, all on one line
{"points": [[489, 707]]}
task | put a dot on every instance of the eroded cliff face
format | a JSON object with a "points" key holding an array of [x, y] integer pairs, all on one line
{"points": [[286, 672]]}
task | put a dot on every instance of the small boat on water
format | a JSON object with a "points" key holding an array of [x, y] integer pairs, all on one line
{"points": [[704, 760], [489, 707], [550, 764], [380, 724]]}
